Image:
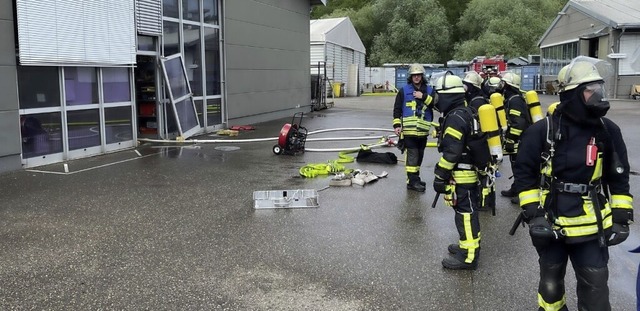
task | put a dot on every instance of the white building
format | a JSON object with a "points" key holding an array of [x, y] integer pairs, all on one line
{"points": [[337, 49]]}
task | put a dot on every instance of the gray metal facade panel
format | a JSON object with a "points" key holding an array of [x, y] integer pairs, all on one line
{"points": [[8, 89], [570, 27], [7, 44], [10, 133], [149, 17], [267, 37], [6, 10], [10, 163], [249, 47]]}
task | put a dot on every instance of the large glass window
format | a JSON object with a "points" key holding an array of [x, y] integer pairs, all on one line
{"points": [[41, 134], [146, 43], [199, 104], [118, 124], [116, 85], [210, 9], [84, 128], [38, 87], [191, 10], [214, 113], [171, 37], [80, 86], [556, 57], [212, 60], [193, 57], [170, 8]]}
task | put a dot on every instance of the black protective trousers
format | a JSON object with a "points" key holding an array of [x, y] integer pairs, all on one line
{"points": [[589, 262], [467, 221], [415, 146]]}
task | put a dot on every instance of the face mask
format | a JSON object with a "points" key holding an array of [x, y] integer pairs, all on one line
{"points": [[445, 102], [597, 105]]}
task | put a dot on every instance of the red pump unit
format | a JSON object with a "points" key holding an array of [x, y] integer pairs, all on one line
{"points": [[292, 137]]}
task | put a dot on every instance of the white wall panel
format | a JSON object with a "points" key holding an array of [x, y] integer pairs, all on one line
{"points": [[629, 44]]}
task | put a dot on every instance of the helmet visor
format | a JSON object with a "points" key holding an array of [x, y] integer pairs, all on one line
{"points": [[576, 69]]}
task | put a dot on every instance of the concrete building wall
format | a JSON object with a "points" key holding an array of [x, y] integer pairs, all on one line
{"points": [[267, 59], [10, 145]]}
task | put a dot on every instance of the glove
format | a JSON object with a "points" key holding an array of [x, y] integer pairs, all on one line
{"points": [[449, 197], [541, 232], [440, 185], [622, 216], [531, 211], [509, 146], [618, 234]]}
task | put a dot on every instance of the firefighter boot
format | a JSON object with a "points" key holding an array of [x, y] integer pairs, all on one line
{"points": [[454, 249], [510, 193], [413, 183], [453, 263]]}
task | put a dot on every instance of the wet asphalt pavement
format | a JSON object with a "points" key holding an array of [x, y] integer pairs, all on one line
{"points": [[174, 228]]}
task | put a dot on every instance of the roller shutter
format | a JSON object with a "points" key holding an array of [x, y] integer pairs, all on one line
{"points": [[149, 17], [71, 32]]}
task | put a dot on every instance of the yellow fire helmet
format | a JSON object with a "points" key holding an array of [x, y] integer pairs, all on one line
{"points": [[512, 79], [449, 83], [416, 69], [473, 78], [583, 69]]}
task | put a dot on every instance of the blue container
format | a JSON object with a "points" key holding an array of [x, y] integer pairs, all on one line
{"points": [[401, 77], [529, 76]]}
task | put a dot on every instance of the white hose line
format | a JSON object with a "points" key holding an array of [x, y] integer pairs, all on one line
{"points": [[252, 140]]}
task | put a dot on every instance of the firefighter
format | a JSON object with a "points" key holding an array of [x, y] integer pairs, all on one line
{"points": [[475, 98], [412, 117], [473, 90], [491, 85], [518, 120], [457, 171], [573, 175]]}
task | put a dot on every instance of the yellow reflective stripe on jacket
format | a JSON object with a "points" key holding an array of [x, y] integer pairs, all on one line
{"points": [[514, 112], [446, 164], [397, 121], [621, 201], [529, 196], [551, 306], [465, 177], [453, 132], [515, 131], [585, 224]]}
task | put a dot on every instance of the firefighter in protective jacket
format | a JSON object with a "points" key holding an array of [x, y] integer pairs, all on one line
{"points": [[457, 171], [412, 117], [518, 120], [573, 175]]}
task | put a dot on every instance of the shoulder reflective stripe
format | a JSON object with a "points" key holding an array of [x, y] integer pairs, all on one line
{"points": [[446, 164], [621, 201], [553, 305], [514, 112], [529, 196], [453, 132]]}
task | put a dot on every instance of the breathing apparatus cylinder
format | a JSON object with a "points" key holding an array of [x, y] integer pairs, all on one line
{"points": [[552, 108], [498, 103], [534, 106], [489, 125]]}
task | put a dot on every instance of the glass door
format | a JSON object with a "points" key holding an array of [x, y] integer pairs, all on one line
{"points": [[180, 96]]}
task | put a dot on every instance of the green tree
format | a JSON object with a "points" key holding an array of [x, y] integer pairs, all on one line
{"points": [[513, 28], [416, 31]]}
